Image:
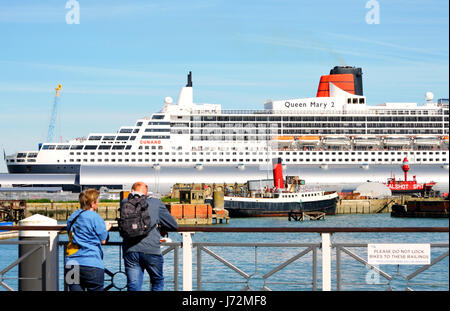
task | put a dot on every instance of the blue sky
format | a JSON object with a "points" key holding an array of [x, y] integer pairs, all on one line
{"points": [[124, 57]]}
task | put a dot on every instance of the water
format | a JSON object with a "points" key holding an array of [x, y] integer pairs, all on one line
{"points": [[298, 274]]}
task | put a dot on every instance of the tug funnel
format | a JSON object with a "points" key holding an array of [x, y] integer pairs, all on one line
{"points": [[278, 173]]}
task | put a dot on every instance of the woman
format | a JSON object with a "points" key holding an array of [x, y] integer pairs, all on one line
{"points": [[84, 255]]}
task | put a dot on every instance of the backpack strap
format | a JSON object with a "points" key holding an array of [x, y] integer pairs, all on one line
{"points": [[75, 219]]}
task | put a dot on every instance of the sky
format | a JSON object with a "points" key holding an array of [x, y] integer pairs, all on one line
{"points": [[118, 60]]}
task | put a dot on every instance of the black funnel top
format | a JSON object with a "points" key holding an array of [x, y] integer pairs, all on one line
{"points": [[189, 82], [357, 76]]}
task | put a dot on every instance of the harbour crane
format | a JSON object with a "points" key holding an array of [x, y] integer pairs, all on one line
{"points": [[51, 126]]}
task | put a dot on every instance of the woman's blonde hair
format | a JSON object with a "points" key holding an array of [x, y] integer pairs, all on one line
{"points": [[87, 197]]}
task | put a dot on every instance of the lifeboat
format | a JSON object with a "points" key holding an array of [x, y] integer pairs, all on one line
{"points": [[445, 140], [427, 140], [284, 140], [366, 141], [308, 140], [397, 141], [336, 141]]}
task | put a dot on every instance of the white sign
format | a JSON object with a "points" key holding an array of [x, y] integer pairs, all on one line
{"points": [[313, 103], [398, 254]]}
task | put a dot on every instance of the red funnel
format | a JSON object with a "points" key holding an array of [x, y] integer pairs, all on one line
{"points": [[342, 81], [278, 173]]}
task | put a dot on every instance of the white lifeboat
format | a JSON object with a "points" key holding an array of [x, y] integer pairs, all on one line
{"points": [[427, 140], [284, 140], [366, 141], [308, 140], [397, 140], [336, 141]]}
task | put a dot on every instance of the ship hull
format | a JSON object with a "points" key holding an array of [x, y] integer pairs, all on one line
{"points": [[334, 177], [409, 188], [239, 209], [428, 208], [410, 191]]}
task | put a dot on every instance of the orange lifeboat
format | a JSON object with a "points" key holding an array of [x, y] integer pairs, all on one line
{"points": [[308, 140], [284, 140]]}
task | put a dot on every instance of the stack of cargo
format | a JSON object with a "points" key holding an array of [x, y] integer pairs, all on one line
{"points": [[193, 210], [191, 213]]}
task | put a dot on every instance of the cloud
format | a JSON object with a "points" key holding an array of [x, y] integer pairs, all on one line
{"points": [[338, 52], [427, 51]]}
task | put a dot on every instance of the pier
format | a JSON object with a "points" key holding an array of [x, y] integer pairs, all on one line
{"points": [[300, 215]]}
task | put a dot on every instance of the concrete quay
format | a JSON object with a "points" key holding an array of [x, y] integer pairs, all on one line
{"points": [[368, 206], [62, 211], [109, 210]]}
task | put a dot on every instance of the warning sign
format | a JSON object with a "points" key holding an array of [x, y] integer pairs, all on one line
{"points": [[398, 254]]}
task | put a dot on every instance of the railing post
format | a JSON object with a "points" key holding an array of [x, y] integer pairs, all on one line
{"points": [[187, 260], [39, 271], [326, 261]]}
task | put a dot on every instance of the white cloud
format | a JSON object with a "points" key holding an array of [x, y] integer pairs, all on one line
{"points": [[338, 52]]}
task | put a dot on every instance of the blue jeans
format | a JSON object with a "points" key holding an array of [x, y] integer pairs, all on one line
{"points": [[136, 262], [89, 279]]}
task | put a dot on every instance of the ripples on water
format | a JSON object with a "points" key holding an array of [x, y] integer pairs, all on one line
{"points": [[297, 275]]}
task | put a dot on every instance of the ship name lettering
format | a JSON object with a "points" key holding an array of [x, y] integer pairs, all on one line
{"points": [[149, 142], [294, 105], [312, 104], [318, 105]]}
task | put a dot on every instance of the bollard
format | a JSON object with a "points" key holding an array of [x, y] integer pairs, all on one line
{"points": [[43, 260], [218, 199]]}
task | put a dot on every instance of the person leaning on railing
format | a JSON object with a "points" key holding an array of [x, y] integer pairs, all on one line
{"points": [[84, 269], [145, 253]]}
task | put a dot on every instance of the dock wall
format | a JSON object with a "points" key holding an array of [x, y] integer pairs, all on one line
{"points": [[62, 211], [370, 206], [109, 211]]}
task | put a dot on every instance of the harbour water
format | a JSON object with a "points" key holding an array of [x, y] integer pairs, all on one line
{"points": [[296, 276]]}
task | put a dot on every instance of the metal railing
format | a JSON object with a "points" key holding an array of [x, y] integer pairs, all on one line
{"points": [[41, 245], [270, 112], [326, 247], [261, 279], [112, 278], [390, 278], [257, 280]]}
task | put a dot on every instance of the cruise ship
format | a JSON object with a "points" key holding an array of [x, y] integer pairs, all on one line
{"points": [[333, 137]]}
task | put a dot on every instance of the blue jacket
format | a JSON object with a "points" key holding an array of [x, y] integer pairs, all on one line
{"points": [[88, 232], [158, 215]]}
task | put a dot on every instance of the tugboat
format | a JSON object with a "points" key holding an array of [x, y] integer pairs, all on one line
{"points": [[408, 186], [279, 200]]}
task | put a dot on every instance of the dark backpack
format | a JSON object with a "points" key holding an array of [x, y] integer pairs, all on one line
{"points": [[134, 221]]}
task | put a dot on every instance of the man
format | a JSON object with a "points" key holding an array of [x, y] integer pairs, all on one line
{"points": [[145, 253]]}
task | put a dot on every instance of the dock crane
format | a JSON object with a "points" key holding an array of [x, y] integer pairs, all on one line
{"points": [[51, 126]]}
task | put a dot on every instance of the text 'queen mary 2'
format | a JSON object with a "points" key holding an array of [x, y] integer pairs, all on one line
{"points": [[331, 138]]}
